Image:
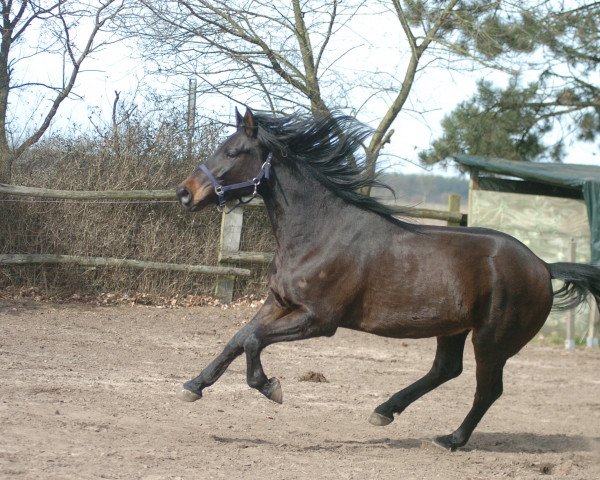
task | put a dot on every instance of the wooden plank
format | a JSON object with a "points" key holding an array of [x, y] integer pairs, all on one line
{"points": [[25, 259], [453, 216], [246, 257], [88, 195], [231, 234], [454, 207], [157, 195]]}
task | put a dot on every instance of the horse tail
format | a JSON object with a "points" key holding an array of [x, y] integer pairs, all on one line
{"points": [[579, 279]]}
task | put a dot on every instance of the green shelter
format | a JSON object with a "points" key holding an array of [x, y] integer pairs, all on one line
{"points": [[548, 179]]}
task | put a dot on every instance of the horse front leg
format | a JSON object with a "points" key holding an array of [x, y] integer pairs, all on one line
{"points": [[192, 389], [446, 366], [299, 324]]}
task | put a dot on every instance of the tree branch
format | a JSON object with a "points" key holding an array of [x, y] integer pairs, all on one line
{"points": [[64, 93]]}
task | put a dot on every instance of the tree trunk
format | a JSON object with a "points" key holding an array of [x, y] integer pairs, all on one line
{"points": [[6, 162]]}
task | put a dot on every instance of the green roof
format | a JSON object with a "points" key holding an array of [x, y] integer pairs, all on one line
{"points": [[560, 174]]}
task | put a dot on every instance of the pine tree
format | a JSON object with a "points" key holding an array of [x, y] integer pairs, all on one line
{"points": [[529, 121]]}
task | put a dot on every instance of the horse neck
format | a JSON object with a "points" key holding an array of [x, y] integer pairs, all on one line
{"points": [[298, 205]]}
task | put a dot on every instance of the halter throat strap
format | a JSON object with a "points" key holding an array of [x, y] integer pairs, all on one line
{"points": [[220, 190]]}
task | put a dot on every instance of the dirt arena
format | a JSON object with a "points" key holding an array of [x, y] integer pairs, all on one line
{"points": [[88, 392]]}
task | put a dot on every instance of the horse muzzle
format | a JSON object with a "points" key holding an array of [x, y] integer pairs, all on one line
{"points": [[185, 197], [193, 195]]}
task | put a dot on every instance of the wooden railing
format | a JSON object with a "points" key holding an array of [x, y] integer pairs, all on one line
{"points": [[230, 254], [44, 258], [88, 194], [118, 195]]}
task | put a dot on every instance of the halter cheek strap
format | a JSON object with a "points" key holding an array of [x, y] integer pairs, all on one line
{"points": [[220, 190]]}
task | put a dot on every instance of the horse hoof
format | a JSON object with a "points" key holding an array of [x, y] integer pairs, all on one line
{"points": [[445, 443], [274, 391], [187, 396], [379, 420]]}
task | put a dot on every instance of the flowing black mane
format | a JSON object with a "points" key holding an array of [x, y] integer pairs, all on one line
{"points": [[329, 146]]}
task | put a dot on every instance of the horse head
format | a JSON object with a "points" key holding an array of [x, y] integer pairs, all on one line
{"points": [[234, 170]]}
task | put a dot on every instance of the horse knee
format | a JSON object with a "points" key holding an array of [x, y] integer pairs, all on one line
{"points": [[448, 370], [454, 370], [252, 344]]}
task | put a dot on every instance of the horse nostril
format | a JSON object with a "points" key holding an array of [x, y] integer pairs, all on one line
{"points": [[184, 196]]}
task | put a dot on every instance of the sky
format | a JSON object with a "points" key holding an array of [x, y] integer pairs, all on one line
{"points": [[436, 92]]}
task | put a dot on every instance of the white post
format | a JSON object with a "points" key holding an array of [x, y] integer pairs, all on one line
{"points": [[592, 339], [570, 334]]}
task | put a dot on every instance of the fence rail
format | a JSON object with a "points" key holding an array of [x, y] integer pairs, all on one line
{"points": [[88, 194], [143, 195], [29, 259], [229, 246]]}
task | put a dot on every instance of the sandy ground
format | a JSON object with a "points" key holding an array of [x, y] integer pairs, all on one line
{"points": [[88, 392]]}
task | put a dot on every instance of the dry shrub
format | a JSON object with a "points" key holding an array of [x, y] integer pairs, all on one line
{"points": [[137, 152]]}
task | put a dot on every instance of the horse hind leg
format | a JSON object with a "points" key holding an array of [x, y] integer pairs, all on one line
{"points": [[489, 389], [446, 366], [493, 347]]}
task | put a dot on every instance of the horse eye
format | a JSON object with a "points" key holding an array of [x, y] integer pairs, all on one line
{"points": [[236, 153]]}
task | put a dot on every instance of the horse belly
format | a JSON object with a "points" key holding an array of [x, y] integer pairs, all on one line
{"points": [[407, 320]]}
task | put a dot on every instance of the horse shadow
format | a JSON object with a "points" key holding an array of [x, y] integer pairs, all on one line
{"points": [[523, 442], [483, 441]]}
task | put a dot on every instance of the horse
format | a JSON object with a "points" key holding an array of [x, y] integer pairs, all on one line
{"points": [[343, 259]]}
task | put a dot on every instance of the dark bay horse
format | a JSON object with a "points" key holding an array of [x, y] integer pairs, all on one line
{"points": [[343, 260]]}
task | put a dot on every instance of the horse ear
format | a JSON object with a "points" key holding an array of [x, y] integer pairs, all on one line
{"points": [[239, 120], [250, 124]]}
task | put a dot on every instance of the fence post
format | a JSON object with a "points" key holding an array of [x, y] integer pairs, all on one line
{"points": [[231, 234], [453, 206], [592, 339], [570, 334], [191, 116]]}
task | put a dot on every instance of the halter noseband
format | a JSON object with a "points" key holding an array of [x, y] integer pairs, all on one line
{"points": [[220, 190]]}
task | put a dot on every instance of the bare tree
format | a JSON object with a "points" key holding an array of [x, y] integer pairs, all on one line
{"points": [[272, 52], [292, 54], [310, 54], [34, 35]]}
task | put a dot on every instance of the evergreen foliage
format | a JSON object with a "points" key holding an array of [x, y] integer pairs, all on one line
{"points": [[529, 120]]}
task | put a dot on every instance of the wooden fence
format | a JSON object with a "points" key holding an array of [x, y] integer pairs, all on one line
{"points": [[119, 195], [230, 254]]}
